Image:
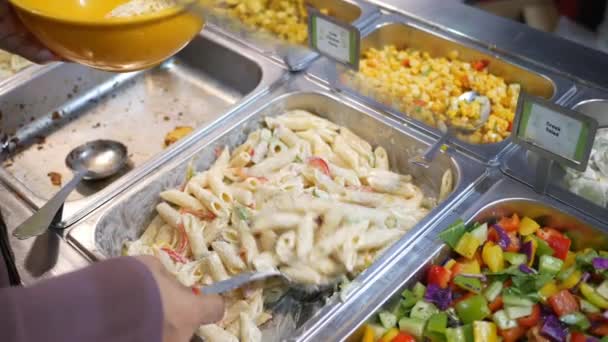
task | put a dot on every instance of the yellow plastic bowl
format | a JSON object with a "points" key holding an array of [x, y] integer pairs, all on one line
{"points": [[80, 31]]}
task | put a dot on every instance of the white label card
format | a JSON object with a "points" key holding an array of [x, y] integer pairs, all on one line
{"points": [[555, 132], [336, 40]]}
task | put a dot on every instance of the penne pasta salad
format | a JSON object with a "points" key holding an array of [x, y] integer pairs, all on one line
{"points": [[302, 195]]}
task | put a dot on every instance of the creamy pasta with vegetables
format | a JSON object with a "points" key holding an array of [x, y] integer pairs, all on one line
{"points": [[11, 64], [302, 195]]}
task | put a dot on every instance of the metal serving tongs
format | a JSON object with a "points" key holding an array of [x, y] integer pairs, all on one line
{"points": [[427, 157], [303, 292]]}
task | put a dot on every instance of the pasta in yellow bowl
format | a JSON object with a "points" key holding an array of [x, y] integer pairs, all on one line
{"points": [[301, 195]]}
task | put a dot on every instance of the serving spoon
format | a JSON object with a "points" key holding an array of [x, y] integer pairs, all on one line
{"points": [[94, 160], [427, 157], [305, 292]]}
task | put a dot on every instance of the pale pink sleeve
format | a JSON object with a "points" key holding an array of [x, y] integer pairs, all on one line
{"points": [[115, 300]]}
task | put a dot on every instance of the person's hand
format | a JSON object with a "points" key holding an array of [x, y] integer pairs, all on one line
{"points": [[183, 311], [16, 39]]}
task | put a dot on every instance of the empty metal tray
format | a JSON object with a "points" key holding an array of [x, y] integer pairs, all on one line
{"points": [[65, 105]]}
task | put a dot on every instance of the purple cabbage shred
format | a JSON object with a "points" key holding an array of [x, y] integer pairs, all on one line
{"points": [[526, 269], [600, 263], [503, 238], [526, 249], [554, 330], [442, 298]]}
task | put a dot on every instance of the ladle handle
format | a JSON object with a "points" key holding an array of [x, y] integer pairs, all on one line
{"points": [[427, 157], [38, 223]]}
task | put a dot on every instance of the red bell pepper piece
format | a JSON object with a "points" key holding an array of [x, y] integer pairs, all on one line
{"points": [[578, 337], [403, 337], [496, 304], [480, 64], [455, 270], [439, 276], [202, 214], [563, 303], [599, 330], [532, 319], [183, 239], [556, 240], [420, 103], [493, 235], [510, 224], [406, 63], [513, 334], [174, 255], [320, 164]]}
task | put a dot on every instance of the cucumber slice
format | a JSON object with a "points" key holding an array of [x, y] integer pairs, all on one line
{"points": [[515, 312], [423, 310], [387, 319], [412, 326]]}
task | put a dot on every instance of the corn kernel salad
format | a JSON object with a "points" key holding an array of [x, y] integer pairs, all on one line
{"points": [[286, 19], [428, 88]]}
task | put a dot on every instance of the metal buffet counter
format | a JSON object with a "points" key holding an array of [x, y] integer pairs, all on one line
{"points": [[222, 86]]}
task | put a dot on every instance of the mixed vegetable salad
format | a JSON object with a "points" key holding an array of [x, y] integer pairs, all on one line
{"points": [[509, 280]]}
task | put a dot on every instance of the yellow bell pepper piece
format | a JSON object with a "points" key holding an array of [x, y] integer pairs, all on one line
{"points": [[593, 297], [493, 257], [534, 247], [449, 264], [548, 290], [570, 260], [484, 331], [389, 335], [467, 245], [571, 281], [471, 267], [368, 334], [528, 226]]}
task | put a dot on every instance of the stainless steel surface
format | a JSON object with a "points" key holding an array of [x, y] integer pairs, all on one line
{"points": [[99, 158], [507, 38], [521, 164], [294, 57], [101, 235], [502, 197], [66, 105], [43, 257], [404, 31], [94, 160], [595, 108]]}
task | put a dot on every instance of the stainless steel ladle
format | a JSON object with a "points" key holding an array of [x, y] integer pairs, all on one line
{"points": [[92, 161], [427, 157]]}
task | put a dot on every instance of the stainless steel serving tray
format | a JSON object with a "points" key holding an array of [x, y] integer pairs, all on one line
{"points": [[503, 198], [103, 233], [294, 57], [64, 105], [521, 164], [402, 31]]}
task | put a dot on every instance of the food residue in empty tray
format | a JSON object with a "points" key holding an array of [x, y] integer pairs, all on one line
{"points": [[176, 134], [55, 178]]}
